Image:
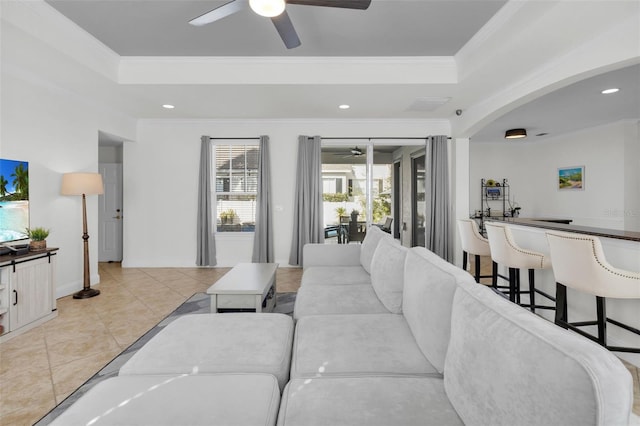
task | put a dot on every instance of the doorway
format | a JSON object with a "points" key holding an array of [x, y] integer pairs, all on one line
{"points": [[397, 199], [418, 201], [110, 211]]}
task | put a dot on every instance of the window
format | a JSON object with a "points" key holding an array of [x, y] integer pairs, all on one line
{"points": [[236, 186]]}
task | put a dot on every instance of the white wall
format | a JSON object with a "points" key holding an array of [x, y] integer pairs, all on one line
{"points": [[161, 175], [531, 168], [631, 210], [56, 131]]}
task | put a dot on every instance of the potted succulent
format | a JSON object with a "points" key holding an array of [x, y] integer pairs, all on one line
{"points": [[227, 216], [38, 237]]}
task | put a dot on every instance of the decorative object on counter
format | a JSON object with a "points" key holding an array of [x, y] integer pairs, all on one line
{"points": [[38, 237], [494, 200], [83, 184], [571, 178]]}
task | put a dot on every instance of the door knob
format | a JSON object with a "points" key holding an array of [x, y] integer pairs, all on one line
{"points": [[117, 217]]}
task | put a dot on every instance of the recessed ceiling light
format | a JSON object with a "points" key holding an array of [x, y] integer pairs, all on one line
{"points": [[609, 91], [344, 106], [168, 106]]}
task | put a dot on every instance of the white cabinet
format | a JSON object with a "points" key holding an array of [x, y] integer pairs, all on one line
{"points": [[27, 286]]}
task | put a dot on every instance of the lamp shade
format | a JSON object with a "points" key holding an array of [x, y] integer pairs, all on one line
{"points": [[82, 183]]}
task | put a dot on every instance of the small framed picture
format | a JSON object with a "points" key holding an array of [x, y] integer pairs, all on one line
{"points": [[493, 192], [571, 178]]}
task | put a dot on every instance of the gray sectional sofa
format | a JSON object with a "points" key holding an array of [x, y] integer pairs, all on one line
{"points": [[417, 342]]}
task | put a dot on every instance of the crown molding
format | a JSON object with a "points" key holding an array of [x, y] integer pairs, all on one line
{"points": [[285, 70], [244, 121]]}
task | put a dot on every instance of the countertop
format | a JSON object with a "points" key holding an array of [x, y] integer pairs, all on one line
{"points": [[549, 224]]}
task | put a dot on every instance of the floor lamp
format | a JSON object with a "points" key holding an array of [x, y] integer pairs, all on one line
{"points": [[83, 184]]}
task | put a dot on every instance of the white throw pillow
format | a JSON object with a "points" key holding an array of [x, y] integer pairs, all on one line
{"points": [[387, 274], [369, 245]]}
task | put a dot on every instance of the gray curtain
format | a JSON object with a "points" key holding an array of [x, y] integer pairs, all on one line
{"points": [[307, 214], [206, 250], [438, 210], [263, 238]]}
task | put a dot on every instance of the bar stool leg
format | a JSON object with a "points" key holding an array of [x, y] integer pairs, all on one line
{"points": [[532, 290], [561, 318], [517, 285], [602, 320], [494, 274], [477, 268], [512, 284], [464, 259]]}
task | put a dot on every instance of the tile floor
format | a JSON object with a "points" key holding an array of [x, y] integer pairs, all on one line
{"points": [[39, 368]]}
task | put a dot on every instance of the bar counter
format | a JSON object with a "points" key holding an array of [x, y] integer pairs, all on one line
{"points": [[555, 224]]}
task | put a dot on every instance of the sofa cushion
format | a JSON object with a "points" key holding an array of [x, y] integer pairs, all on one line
{"points": [[346, 275], [387, 272], [224, 399], [337, 299], [550, 376], [218, 343], [316, 254], [329, 345], [369, 245], [366, 401], [429, 285]]}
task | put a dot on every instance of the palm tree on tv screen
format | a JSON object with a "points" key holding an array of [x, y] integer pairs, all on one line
{"points": [[3, 186], [21, 181]]}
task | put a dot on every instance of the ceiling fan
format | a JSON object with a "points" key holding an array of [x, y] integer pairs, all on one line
{"points": [[275, 9], [353, 152]]}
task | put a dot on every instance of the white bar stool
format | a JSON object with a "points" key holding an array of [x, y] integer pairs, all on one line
{"points": [[506, 252], [579, 262], [473, 243]]}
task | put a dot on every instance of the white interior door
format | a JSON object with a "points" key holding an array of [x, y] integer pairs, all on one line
{"points": [[110, 214]]}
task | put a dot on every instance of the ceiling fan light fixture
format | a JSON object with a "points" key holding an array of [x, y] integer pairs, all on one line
{"points": [[268, 8], [515, 134]]}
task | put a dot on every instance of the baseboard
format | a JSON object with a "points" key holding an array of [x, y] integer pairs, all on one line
{"points": [[74, 286]]}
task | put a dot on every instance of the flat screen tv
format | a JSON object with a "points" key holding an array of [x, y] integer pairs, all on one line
{"points": [[14, 200]]}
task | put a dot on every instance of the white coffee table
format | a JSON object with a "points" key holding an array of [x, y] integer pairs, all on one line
{"points": [[245, 287]]}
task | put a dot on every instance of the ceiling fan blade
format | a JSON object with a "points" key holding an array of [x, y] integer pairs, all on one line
{"points": [[285, 29], [345, 4], [220, 12]]}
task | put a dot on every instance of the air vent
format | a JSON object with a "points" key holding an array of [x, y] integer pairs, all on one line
{"points": [[427, 104]]}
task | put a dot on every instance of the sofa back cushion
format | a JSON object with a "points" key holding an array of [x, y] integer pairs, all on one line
{"points": [[429, 285], [387, 273], [550, 376], [369, 245]]}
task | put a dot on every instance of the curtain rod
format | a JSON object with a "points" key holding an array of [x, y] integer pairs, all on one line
{"points": [[380, 138], [235, 139], [346, 138]]}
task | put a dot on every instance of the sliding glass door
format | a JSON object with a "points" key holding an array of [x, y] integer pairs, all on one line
{"points": [[357, 188]]}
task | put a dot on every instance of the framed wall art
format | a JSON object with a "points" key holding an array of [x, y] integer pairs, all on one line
{"points": [[571, 178]]}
